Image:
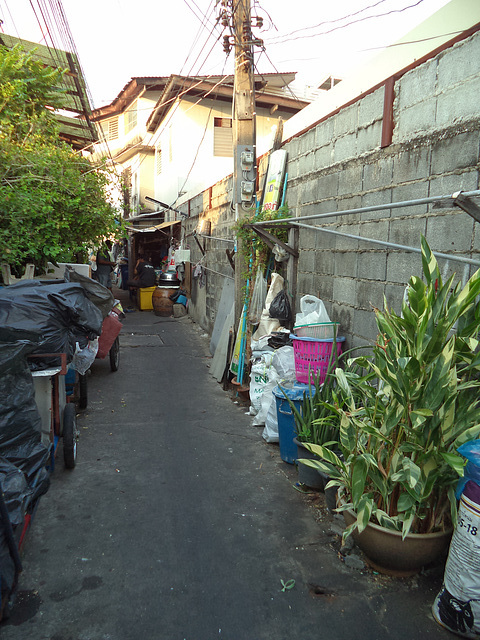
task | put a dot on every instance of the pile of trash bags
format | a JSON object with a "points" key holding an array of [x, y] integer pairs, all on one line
{"points": [[36, 317], [273, 360]]}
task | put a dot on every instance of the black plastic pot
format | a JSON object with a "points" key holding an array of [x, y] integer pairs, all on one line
{"points": [[306, 475]]}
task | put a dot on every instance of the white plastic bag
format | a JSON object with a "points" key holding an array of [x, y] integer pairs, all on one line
{"points": [[312, 311], [259, 378], [83, 358], [266, 399], [283, 361], [270, 431]]}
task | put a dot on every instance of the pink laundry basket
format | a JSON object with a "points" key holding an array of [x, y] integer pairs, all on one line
{"points": [[312, 357]]}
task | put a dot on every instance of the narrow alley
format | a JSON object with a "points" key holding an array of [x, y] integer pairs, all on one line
{"points": [[180, 523]]}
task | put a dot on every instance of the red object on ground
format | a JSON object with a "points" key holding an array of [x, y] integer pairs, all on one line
{"points": [[110, 329]]}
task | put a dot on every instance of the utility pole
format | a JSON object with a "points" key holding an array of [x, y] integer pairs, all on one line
{"points": [[244, 134]]}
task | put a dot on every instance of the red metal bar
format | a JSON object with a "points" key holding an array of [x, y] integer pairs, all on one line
{"points": [[388, 123]]}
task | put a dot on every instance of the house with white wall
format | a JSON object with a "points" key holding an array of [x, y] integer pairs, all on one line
{"points": [[172, 136]]}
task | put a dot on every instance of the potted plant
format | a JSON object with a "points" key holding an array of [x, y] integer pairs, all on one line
{"points": [[316, 420], [404, 417]]}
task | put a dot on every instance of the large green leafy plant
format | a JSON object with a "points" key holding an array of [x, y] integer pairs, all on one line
{"points": [[52, 200], [414, 405]]}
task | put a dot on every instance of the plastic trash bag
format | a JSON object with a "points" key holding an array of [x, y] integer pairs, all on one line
{"points": [[457, 605], [259, 378], [83, 358], [267, 324], [283, 362], [60, 314], [312, 311], [259, 296], [280, 307]]}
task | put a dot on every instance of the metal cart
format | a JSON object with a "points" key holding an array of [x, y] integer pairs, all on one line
{"points": [[57, 414]]}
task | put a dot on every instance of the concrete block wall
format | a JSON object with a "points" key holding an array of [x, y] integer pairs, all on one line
{"points": [[434, 151], [338, 165], [211, 206]]}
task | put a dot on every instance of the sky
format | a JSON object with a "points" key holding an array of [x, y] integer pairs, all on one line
{"points": [[120, 39]]}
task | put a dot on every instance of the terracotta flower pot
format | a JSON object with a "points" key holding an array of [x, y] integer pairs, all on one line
{"points": [[388, 553]]}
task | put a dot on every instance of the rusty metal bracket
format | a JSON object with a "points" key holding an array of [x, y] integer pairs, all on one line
{"points": [[467, 205], [230, 254], [202, 249], [272, 240]]}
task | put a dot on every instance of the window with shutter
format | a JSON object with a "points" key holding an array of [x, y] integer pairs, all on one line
{"points": [[158, 161], [131, 118], [222, 137], [113, 129]]}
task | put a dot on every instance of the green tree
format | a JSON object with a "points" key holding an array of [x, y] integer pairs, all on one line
{"points": [[53, 201]]}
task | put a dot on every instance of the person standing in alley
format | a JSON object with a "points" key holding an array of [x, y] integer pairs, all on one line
{"points": [[105, 265]]}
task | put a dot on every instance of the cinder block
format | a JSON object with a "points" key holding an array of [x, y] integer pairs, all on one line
{"points": [[369, 138], [370, 108], [346, 264], [306, 260], [447, 184], [378, 174], [344, 291], [345, 147], [461, 62], [324, 133], [324, 262], [416, 119], [394, 295], [323, 289], [413, 164], [350, 179], [402, 265], [459, 103], [410, 191], [324, 156], [328, 241], [346, 120], [373, 199], [415, 85], [376, 229], [450, 232], [365, 325], [455, 153], [344, 314], [306, 163], [372, 265], [369, 294], [326, 186], [407, 231], [347, 204], [305, 283]]}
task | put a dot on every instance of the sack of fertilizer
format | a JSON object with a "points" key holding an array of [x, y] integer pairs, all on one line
{"points": [[457, 606]]}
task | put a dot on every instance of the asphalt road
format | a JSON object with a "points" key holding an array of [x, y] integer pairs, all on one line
{"points": [[180, 523]]}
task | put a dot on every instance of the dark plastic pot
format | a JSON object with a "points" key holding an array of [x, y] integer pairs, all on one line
{"points": [[306, 475]]}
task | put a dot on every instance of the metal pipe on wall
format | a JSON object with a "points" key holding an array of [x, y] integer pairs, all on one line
{"points": [[385, 243]]}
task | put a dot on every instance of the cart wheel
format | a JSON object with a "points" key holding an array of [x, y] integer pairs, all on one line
{"points": [[115, 355], [70, 435], [83, 391]]}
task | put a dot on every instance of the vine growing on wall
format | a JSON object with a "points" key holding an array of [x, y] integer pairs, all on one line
{"points": [[255, 251]]}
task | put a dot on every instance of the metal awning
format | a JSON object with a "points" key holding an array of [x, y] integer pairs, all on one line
{"points": [[157, 227]]}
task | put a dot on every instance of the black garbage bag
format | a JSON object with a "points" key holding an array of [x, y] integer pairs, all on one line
{"points": [[20, 421], [96, 292], [59, 314], [279, 339], [280, 307]]}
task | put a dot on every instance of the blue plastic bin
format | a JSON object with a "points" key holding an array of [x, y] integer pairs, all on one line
{"points": [[286, 419]]}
